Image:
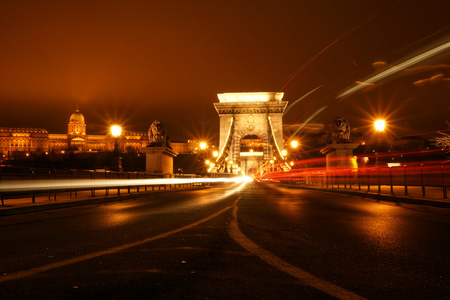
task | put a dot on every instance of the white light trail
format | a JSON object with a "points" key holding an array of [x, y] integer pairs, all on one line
{"points": [[306, 122], [36, 185], [300, 99], [416, 59]]}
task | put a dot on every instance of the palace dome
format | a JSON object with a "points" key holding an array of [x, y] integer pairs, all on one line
{"points": [[76, 117]]}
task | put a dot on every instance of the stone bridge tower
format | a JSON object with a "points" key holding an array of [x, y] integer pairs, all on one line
{"points": [[249, 115]]}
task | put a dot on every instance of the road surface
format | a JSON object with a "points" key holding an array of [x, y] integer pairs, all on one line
{"points": [[236, 241]]}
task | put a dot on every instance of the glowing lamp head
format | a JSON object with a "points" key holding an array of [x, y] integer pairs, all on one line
{"points": [[216, 153], [283, 152], [116, 130], [203, 145], [294, 144], [207, 162], [380, 125]]}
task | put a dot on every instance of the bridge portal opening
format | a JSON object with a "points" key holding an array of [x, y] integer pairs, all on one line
{"points": [[251, 153]]}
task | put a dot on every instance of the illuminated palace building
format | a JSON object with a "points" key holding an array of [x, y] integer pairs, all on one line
{"points": [[19, 142]]}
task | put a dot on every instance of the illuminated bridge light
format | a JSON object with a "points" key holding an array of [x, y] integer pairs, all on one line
{"points": [[250, 97]]}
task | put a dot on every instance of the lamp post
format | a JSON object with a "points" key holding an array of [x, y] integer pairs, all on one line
{"points": [[380, 125], [294, 149], [116, 164]]}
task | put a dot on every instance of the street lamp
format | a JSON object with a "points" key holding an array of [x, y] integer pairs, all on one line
{"points": [[380, 125], [203, 145], [294, 144], [116, 164], [379, 128], [116, 130]]}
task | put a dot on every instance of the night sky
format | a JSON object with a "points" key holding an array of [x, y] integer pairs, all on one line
{"points": [[131, 62]]}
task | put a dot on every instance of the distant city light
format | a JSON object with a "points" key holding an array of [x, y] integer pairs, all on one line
{"points": [[283, 152], [116, 130], [203, 145], [380, 125], [294, 144], [207, 161], [216, 153]]}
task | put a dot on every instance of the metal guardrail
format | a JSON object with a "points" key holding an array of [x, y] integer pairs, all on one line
{"points": [[372, 178], [9, 174]]}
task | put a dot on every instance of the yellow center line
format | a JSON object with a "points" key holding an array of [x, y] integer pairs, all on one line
{"points": [[305, 278]]}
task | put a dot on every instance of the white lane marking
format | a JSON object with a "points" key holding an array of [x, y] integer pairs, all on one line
{"points": [[73, 260], [305, 278]]}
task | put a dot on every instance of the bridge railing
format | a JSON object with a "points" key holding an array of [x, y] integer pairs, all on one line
{"points": [[393, 180], [105, 182]]}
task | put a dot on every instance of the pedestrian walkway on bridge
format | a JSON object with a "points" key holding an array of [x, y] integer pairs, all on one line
{"points": [[23, 203]]}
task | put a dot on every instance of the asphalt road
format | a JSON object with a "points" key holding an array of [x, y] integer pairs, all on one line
{"points": [[237, 241]]}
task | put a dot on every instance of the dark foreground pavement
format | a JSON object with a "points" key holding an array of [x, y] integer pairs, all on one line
{"points": [[253, 241]]}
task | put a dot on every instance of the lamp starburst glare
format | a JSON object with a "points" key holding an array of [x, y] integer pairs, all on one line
{"points": [[380, 125], [116, 130]]}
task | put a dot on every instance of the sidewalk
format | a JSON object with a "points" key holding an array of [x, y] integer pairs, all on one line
{"points": [[46, 201], [434, 196]]}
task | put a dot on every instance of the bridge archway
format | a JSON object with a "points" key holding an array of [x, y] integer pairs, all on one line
{"points": [[251, 153], [249, 114]]}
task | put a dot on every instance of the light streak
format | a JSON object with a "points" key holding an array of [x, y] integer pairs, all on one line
{"points": [[365, 83], [300, 99], [307, 121], [415, 60], [37, 185], [344, 35]]}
